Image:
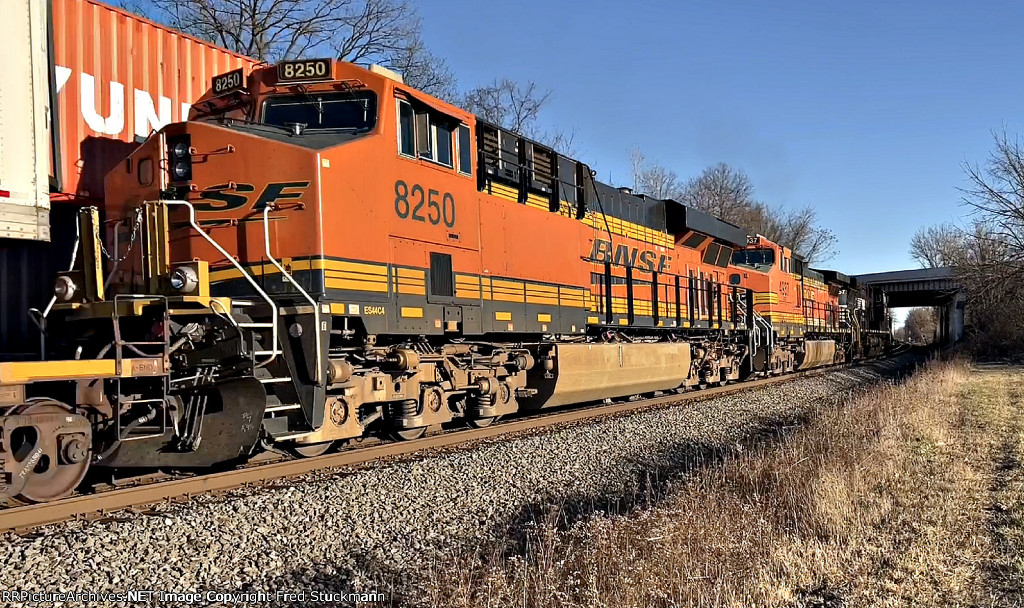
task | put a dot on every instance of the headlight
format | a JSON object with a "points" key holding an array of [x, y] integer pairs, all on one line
{"points": [[184, 279], [179, 158]]}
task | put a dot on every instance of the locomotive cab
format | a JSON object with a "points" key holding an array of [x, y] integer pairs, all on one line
{"points": [[314, 104], [760, 259]]}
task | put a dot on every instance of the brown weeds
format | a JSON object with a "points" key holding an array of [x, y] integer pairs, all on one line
{"points": [[881, 501]]}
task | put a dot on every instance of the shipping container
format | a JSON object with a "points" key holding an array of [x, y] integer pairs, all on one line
{"points": [[25, 122], [117, 77]]}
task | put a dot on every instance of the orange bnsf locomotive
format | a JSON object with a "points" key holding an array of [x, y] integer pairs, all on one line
{"points": [[322, 253]]}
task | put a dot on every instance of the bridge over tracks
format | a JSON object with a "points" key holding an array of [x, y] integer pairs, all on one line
{"points": [[935, 287]]}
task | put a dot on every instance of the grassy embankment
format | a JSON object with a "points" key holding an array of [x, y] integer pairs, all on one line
{"points": [[910, 494]]}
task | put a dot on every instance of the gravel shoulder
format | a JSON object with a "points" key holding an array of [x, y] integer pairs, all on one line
{"points": [[376, 529]]}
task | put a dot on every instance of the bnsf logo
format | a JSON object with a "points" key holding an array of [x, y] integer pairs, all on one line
{"points": [[623, 255], [220, 198]]}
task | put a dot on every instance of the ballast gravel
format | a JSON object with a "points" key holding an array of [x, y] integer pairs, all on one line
{"points": [[376, 529]]}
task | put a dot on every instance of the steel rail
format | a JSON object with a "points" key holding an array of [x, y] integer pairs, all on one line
{"points": [[25, 518]]}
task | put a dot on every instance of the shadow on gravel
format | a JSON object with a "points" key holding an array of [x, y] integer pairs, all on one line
{"points": [[656, 475]]}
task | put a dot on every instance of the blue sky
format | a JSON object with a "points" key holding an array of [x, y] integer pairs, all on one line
{"points": [[864, 110]]}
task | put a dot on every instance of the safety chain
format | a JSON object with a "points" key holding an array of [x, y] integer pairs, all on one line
{"points": [[135, 233]]}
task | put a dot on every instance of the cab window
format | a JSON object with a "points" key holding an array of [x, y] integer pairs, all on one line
{"points": [[348, 111], [406, 129], [442, 134], [753, 257], [465, 151], [425, 134]]}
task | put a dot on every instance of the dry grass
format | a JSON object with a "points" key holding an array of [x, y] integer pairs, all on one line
{"points": [[909, 495]]}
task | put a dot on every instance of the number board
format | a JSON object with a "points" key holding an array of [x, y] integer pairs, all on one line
{"points": [[228, 82], [305, 70]]}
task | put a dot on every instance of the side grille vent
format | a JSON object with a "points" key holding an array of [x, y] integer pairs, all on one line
{"points": [[441, 280]]}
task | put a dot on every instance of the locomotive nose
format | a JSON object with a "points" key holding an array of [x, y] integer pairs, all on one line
{"points": [[226, 170]]}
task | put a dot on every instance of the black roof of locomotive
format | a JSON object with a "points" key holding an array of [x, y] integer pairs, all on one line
{"points": [[681, 218], [636, 208], [836, 277], [665, 215]]}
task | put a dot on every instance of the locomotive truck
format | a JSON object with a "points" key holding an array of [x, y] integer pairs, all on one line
{"points": [[322, 253]]}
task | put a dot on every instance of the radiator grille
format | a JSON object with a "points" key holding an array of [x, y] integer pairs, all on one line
{"points": [[441, 280]]}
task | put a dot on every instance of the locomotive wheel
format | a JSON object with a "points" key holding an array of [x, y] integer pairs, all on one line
{"points": [[479, 423], [54, 455], [409, 434], [310, 450]]}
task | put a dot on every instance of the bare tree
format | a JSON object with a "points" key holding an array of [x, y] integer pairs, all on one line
{"points": [[728, 193], [799, 230], [509, 104], [920, 325], [516, 106], [652, 179], [996, 194], [425, 71], [386, 32], [721, 191], [561, 140], [989, 254], [937, 246]]}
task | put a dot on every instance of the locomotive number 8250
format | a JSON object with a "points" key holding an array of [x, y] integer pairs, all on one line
{"points": [[410, 203]]}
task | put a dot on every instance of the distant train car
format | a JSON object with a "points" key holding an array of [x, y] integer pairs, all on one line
{"points": [[323, 253]]}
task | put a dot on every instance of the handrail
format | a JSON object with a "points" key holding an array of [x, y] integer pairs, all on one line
{"points": [[305, 294], [248, 277], [755, 335]]}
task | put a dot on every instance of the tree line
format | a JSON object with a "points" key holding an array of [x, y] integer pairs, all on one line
{"points": [[728, 194], [389, 33], [920, 326], [987, 248], [385, 32]]}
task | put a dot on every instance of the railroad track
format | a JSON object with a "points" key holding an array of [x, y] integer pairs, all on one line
{"points": [[157, 489]]}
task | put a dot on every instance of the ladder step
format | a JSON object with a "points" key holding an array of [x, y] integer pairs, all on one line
{"points": [[263, 353], [281, 408], [276, 380], [266, 324]]}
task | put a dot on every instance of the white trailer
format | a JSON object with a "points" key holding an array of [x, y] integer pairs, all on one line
{"points": [[26, 126]]}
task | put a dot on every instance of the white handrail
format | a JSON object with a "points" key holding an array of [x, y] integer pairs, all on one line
{"points": [[273, 307], [755, 335], [287, 275]]}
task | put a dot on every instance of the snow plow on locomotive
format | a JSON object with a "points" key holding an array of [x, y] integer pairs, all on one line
{"points": [[322, 253]]}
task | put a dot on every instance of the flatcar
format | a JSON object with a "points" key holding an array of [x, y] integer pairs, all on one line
{"points": [[322, 253]]}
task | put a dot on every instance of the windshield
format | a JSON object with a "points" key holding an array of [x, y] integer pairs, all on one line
{"points": [[753, 257], [346, 110]]}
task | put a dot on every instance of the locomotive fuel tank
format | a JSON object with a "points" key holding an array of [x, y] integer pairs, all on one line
{"points": [[576, 373], [817, 353]]}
